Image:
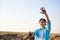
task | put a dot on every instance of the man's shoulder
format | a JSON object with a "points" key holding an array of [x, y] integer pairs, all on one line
{"points": [[37, 31]]}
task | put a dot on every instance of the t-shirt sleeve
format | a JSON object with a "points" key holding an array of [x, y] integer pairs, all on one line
{"points": [[49, 25]]}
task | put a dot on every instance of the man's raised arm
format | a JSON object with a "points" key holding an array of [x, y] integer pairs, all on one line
{"points": [[47, 18]]}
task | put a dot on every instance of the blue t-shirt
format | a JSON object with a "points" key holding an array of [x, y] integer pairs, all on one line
{"points": [[46, 33]]}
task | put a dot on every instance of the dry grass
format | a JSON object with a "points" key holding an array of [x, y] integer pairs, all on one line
{"points": [[53, 36]]}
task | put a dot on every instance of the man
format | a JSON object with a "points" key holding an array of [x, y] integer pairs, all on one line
{"points": [[43, 33]]}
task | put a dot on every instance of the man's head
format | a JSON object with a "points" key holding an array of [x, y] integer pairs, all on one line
{"points": [[42, 22]]}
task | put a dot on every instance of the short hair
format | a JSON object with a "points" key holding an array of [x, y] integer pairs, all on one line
{"points": [[42, 19]]}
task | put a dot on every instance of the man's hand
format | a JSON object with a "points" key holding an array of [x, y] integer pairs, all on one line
{"points": [[45, 13]]}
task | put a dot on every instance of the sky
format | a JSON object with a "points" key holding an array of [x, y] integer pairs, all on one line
{"points": [[23, 15]]}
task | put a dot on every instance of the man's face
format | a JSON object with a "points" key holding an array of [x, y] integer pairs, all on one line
{"points": [[42, 23]]}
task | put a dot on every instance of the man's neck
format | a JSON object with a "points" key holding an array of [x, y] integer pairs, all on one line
{"points": [[42, 27]]}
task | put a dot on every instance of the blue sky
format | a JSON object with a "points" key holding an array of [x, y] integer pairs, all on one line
{"points": [[23, 15]]}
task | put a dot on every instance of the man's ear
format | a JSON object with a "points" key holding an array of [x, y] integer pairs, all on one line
{"points": [[45, 23]]}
